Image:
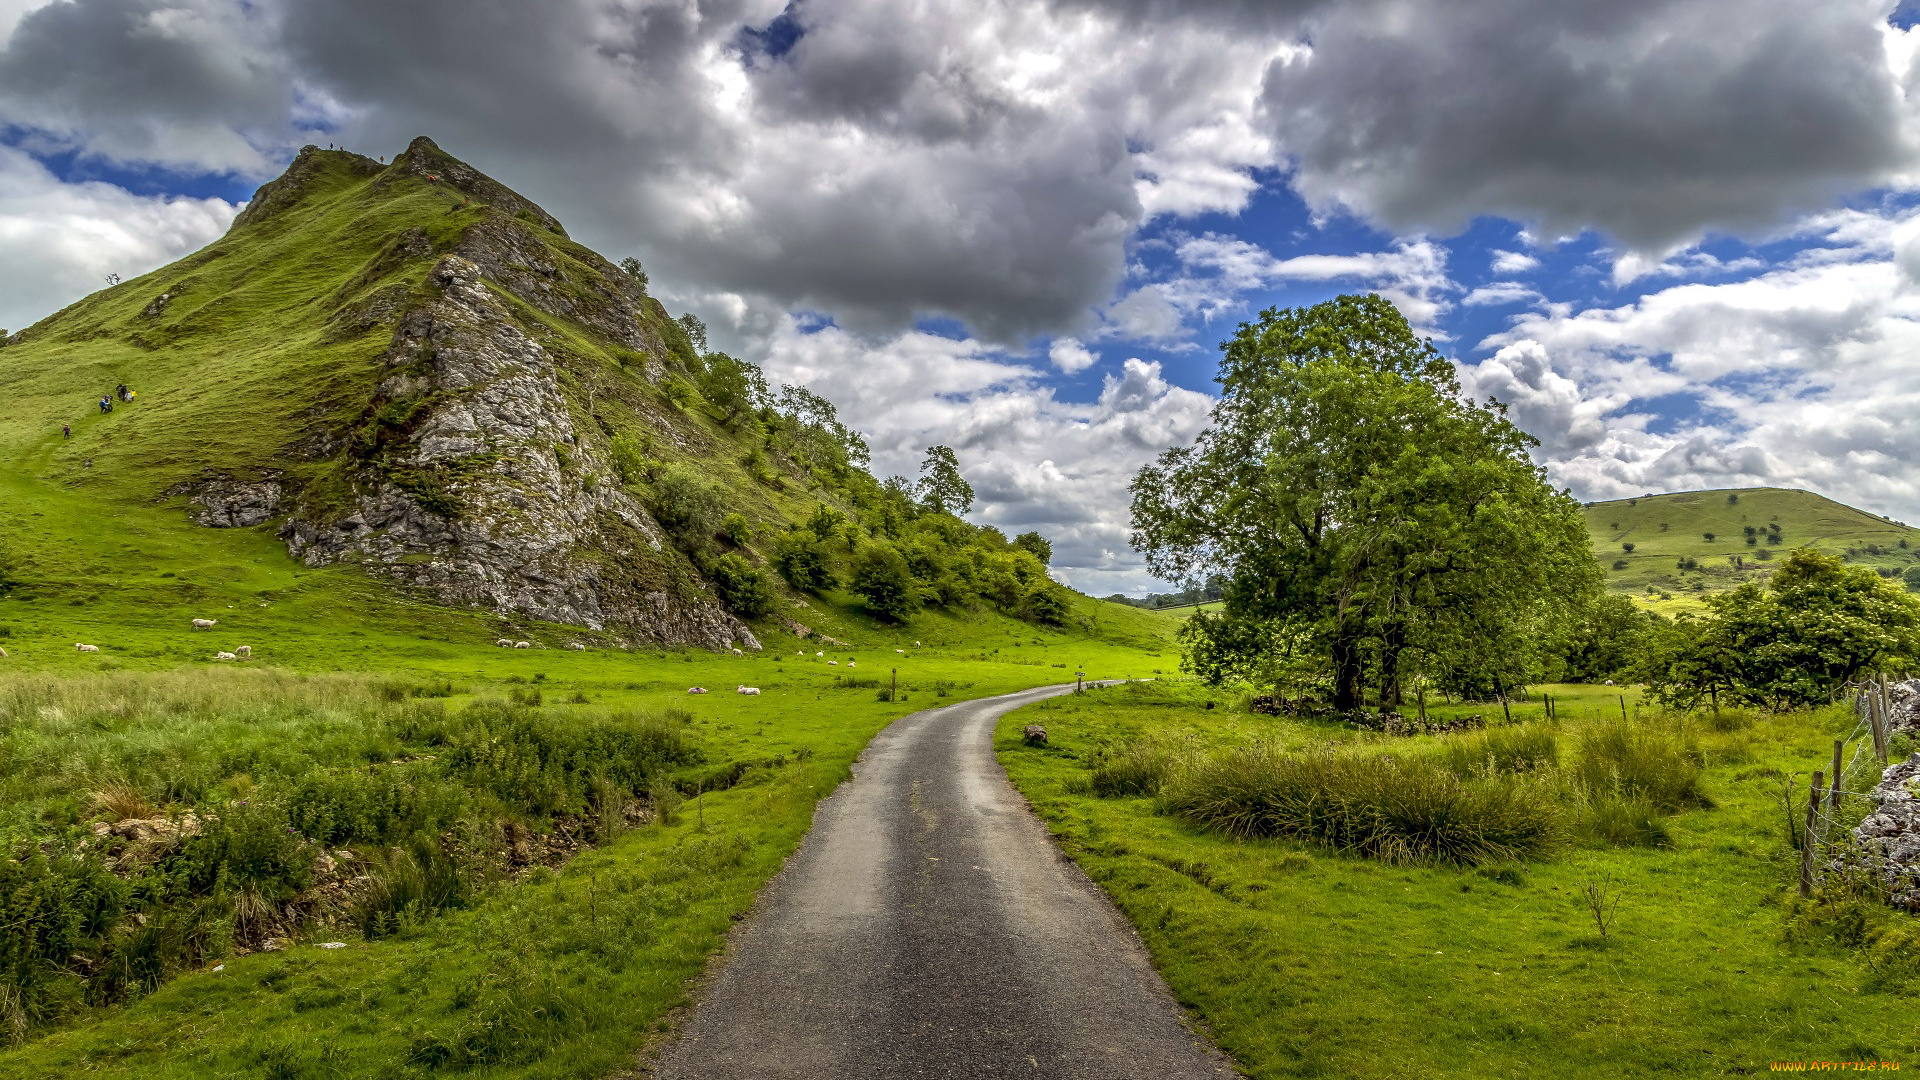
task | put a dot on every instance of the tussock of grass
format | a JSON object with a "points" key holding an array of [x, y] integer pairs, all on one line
{"points": [[1139, 768], [1397, 810], [1523, 748], [1640, 762]]}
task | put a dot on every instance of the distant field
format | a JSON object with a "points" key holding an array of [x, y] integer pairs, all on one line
{"points": [[1667, 530]]}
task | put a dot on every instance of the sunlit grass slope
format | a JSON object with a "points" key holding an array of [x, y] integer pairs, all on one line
{"points": [[1666, 530]]}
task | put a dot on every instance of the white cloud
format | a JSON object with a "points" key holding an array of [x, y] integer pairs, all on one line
{"points": [[1800, 376], [1513, 262], [1501, 292], [1070, 356], [1035, 461], [58, 241], [1413, 274]]}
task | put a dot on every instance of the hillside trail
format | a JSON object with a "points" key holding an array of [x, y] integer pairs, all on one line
{"points": [[928, 927]]}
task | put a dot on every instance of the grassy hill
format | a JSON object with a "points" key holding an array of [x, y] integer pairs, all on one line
{"points": [[1692, 543]]}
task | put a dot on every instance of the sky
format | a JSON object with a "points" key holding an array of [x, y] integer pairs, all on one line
{"points": [[1680, 239]]}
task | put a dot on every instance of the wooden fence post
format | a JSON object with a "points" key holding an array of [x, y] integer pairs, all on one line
{"points": [[1877, 722], [1423, 703], [894, 694], [1623, 708], [1833, 791], [1812, 839]]}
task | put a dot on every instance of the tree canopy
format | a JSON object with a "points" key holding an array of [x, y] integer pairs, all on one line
{"points": [[1367, 519], [942, 488], [1815, 625]]}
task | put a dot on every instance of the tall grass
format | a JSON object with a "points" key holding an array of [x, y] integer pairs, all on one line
{"points": [[1398, 810], [1639, 762], [1138, 768], [259, 772], [1523, 748]]}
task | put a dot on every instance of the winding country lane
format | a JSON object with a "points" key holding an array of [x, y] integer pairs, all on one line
{"points": [[927, 927]]}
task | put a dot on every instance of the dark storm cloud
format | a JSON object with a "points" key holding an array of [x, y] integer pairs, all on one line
{"points": [[1651, 120], [195, 85]]}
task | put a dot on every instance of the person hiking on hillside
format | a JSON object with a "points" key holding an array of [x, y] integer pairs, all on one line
{"points": [[121, 392], [106, 405], [66, 431]]}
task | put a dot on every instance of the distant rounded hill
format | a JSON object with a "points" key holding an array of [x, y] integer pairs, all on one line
{"points": [[1671, 550]]}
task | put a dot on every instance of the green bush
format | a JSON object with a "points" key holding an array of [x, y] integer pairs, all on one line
{"points": [[805, 562], [687, 507], [1639, 763], [544, 765], [349, 806], [742, 586], [1397, 810], [1624, 822], [736, 530]]}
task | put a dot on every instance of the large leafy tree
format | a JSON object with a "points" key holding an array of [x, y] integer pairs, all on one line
{"points": [[1365, 516], [1817, 624]]}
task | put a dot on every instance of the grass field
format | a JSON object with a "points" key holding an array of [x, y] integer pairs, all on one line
{"points": [[1667, 530], [1305, 962]]}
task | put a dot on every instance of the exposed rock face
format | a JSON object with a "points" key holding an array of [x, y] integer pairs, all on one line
{"points": [[229, 502], [478, 488]]}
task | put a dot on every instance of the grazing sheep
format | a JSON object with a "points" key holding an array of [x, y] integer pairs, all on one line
{"points": [[916, 644], [833, 663], [245, 652], [224, 656], [737, 652], [205, 624], [576, 646], [818, 655], [849, 663], [750, 691], [505, 642], [696, 689], [523, 644], [902, 652], [86, 648]]}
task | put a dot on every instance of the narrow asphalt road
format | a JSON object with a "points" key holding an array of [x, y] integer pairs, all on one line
{"points": [[927, 927]]}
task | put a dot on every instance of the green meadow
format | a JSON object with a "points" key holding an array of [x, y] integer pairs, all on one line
{"points": [[1305, 958]]}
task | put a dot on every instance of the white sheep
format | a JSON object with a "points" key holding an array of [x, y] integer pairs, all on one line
{"points": [[696, 689], [86, 648], [818, 655], [505, 642], [849, 663], [523, 644], [916, 644], [224, 656], [750, 691], [205, 624], [737, 652], [902, 652], [576, 646], [244, 652], [833, 663]]}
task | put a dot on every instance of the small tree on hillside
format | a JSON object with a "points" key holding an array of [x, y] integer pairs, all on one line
{"points": [[942, 489], [1041, 547], [631, 267], [696, 332]]}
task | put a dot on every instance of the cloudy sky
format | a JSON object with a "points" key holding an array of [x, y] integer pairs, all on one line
{"points": [[1681, 238]]}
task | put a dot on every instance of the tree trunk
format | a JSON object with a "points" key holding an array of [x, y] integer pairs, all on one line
{"points": [[1391, 644], [1347, 696]]}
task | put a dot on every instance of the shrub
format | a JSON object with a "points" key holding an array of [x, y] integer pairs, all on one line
{"points": [[805, 563], [540, 765], [1637, 762], [1140, 768], [881, 577], [735, 529], [688, 508], [1501, 750], [1394, 809], [742, 586], [1628, 548]]}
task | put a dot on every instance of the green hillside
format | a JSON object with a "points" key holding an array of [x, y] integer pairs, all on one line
{"points": [[1693, 543]]}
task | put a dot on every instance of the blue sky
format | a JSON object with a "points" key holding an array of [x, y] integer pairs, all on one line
{"points": [[1677, 237]]}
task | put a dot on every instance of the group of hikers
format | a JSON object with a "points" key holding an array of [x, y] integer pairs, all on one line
{"points": [[106, 405]]}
